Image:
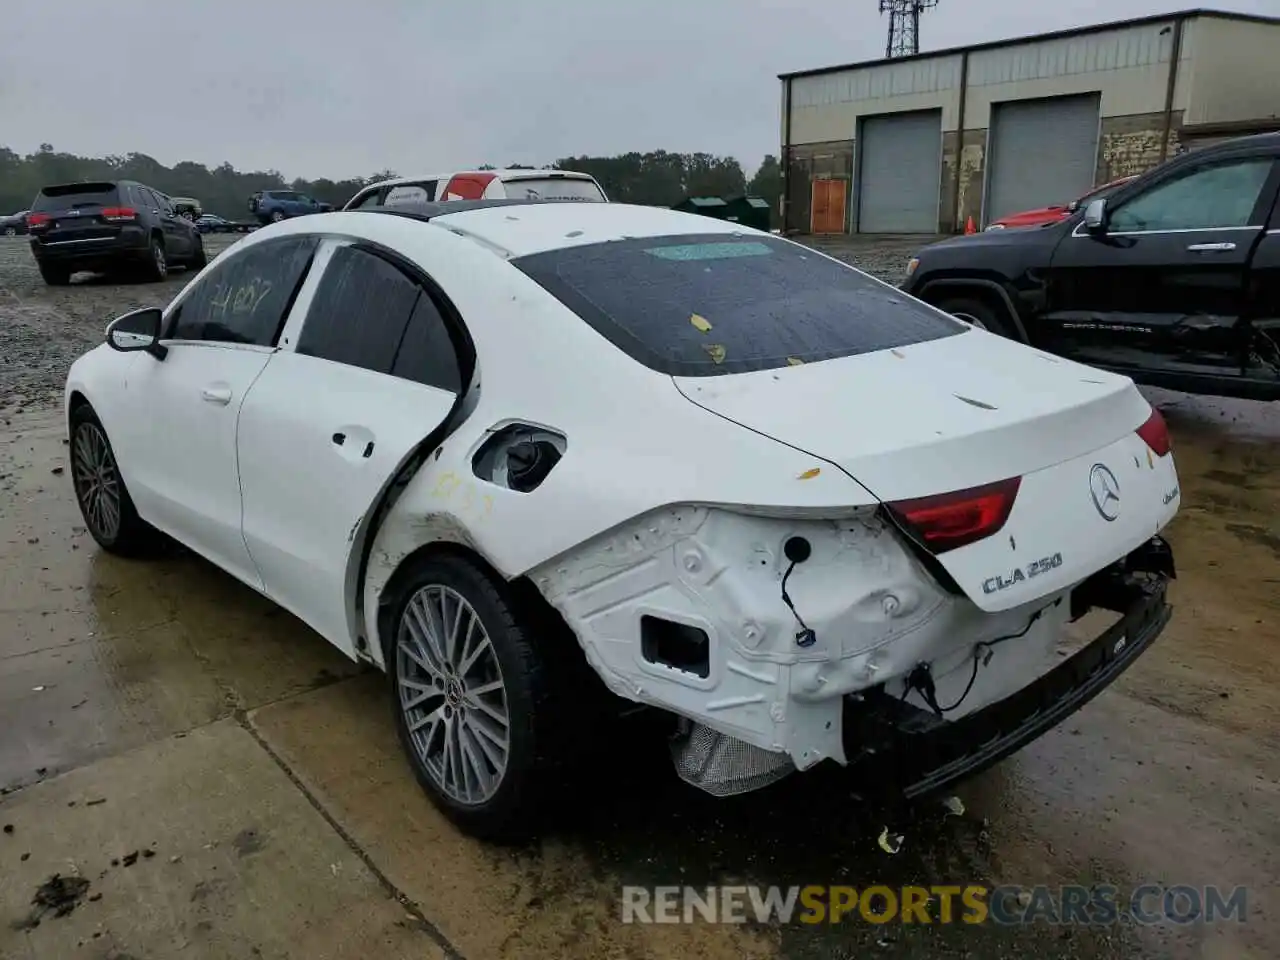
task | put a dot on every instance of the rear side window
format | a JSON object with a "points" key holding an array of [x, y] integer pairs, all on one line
{"points": [[73, 196], [709, 304], [360, 311], [411, 193], [245, 298], [552, 188], [427, 354], [370, 199]]}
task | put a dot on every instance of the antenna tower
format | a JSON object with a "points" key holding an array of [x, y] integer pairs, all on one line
{"points": [[904, 25]]}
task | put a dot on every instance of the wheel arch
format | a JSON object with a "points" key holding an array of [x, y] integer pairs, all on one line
{"points": [[983, 289], [520, 591]]}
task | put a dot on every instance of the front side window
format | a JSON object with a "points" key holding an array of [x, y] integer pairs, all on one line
{"points": [[245, 299], [1220, 196], [709, 304]]}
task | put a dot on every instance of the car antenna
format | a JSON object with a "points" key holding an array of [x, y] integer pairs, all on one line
{"points": [[797, 550]]}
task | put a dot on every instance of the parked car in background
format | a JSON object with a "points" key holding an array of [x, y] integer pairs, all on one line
{"points": [[1058, 212], [272, 206], [212, 223], [883, 522], [15, 224], [480, 185], [1173, 279], [108, 226], [188, 207]]}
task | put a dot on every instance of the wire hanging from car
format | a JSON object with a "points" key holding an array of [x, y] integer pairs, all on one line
{"points": [[797, 550], [921, 678]]}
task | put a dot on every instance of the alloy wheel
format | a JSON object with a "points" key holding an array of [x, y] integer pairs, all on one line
{"points": [[452, 695], [97, 481], [162, 266]]}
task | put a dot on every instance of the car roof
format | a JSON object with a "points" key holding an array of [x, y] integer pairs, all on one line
{"points": [[522, 227], [505, 174]]}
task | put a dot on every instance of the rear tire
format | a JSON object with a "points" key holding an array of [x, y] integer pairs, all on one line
{"points": [[10, 231], [157, 266], [277, 216], [104, 500], [55, 276], [199, 259], [979, 314], [490, 791]]}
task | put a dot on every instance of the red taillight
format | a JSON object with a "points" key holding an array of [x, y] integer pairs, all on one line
{"points": [[1155, 432], [950, 520], [119, 213], [37, 220]]}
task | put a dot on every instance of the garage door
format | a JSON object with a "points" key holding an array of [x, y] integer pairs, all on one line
{"points": [[900, 173], [1042, 152]]}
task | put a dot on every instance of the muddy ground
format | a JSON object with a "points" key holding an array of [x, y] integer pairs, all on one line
{"points": [[208, 778]]}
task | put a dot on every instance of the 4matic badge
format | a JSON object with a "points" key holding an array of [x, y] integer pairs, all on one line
{"points": [[1021, 574]]}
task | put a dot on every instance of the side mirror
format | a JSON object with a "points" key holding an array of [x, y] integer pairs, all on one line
{"points": [[1095, 216], [137, 331]]}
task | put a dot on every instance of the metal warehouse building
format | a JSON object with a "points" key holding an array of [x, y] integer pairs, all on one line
{"points": [[919, 144]]}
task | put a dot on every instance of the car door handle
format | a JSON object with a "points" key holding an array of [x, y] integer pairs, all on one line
{"points": [[218, 395], [1211, 247]]}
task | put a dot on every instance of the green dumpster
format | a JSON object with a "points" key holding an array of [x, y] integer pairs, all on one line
{"points": [[748, 211], [707, 206]]}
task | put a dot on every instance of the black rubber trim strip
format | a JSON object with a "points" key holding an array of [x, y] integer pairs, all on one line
{"points": [[931, 761]]}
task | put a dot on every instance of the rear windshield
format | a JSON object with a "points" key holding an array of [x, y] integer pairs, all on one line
{"points": [[71, 196], [708, 304], [552, 188]]}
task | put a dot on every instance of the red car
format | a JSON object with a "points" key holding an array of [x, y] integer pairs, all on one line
{"points": [[1053, 214]]}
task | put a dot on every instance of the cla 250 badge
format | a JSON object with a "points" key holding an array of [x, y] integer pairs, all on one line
{"points": [[1020, 574]]}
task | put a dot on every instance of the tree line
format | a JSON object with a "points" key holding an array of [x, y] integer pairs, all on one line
{"points": [[656, 178]]}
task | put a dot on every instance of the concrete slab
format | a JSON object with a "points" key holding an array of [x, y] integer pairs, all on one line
{"points": [[196, 846], [99, 654], [491, 903]]}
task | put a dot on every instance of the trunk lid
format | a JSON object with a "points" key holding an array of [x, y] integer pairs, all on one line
{"points": [[966, 411]]}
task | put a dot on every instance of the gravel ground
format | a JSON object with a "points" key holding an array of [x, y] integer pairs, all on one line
{"points": [[43, 329]]}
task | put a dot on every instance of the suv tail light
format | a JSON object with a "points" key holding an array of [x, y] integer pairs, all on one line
{"points": [[946, 521], [1155, 433], [38, 221], [116, 214]]}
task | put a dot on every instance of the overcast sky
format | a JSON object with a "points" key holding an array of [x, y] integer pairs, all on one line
{"points": [[329, 88]]}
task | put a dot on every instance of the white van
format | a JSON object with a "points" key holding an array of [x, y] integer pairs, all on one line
{"points": [[480, 185]]}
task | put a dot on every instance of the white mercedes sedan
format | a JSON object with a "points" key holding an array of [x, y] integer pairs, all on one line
{"points": [[543, 461]]}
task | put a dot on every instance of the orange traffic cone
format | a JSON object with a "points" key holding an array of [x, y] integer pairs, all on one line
{"points": [[969, 227]]}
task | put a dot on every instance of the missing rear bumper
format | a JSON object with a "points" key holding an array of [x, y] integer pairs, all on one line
{"points": [[901, 752]]}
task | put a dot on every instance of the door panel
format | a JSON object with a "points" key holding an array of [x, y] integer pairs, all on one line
{"points": [[828, 210], [318, 443], [182, 458], [1168, 279]]}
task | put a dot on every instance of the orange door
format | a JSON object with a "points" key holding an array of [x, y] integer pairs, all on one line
{"points": [[828, 209]]}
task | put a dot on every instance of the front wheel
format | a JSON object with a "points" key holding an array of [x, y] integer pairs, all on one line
{"points": [[199, 259], [471, 698], [277, 216], [101, 493], [55, 276], [979, 314]]}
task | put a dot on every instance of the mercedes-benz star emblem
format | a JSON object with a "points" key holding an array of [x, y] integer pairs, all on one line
{"points": [[1105, 490]]}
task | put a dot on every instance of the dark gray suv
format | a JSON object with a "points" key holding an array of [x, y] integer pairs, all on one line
{"points": [[108, 226]]}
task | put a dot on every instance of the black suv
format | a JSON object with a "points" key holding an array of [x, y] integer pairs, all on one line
{"points": [[104, 226], [1173, 280]]}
